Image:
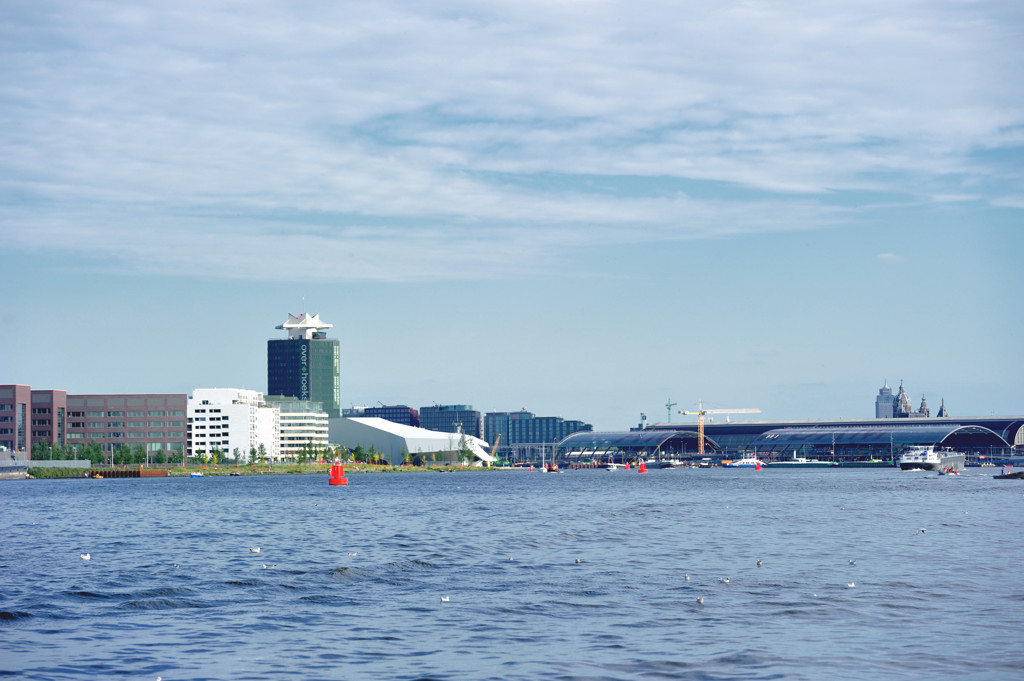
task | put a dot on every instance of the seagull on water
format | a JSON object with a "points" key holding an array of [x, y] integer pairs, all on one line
{"points": [[920, 531], [700, 600], [724, 580], [853, 563], [353, 554], [85, 556], [759, 563], [850, 585], [577, 561], [686, 576], [255, 549], [445, 599], [269, 567]]}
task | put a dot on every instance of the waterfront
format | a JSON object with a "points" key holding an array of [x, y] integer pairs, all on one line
{"points": [[355, 576]]}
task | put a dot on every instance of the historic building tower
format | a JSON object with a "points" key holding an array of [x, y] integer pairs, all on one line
{"points": [[306, 366]]}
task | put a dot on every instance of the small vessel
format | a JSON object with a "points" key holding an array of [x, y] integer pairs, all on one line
{"points": [[931, 459], [1009, 474], [197, 474], [801, 462], [745, 462]]}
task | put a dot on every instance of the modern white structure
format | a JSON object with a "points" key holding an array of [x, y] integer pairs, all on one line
{"points": [[304, 326], [394, 440], [302, 424], [230, 419]]}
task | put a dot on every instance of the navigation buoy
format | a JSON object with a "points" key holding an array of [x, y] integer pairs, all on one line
{"points": [[338, 474], [757, 465], [643, 467]]}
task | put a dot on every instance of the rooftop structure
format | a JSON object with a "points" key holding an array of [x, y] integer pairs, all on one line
{"points": [[304, 326]]}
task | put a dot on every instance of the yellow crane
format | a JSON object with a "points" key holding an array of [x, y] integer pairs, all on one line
{"points": [[701, 412]]}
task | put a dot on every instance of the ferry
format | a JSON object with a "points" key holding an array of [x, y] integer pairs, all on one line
{"points": [[745, 462], [801, 462], [931, 459]]}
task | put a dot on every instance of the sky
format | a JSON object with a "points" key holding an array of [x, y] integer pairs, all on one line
{"points": [[587, 209]]}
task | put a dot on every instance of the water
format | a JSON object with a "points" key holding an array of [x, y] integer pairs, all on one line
{"points": [[502, 546]]}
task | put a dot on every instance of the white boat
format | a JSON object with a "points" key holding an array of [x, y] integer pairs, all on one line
{"points": [[612, 466], [801, 462], [931, 459], [745, 462], [195, 475]]}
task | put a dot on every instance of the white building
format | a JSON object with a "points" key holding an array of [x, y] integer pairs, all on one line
{"points": [[302, 424], [394, 440], [230, 419]]}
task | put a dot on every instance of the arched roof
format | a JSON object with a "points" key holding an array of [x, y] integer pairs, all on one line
{"points": [[627, 440], [952, 435]]}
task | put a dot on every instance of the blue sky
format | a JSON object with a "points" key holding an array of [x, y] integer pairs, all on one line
{"points": [[580, 208]]}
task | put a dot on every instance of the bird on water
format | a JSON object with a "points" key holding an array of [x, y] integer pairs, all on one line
{"points": [[255, 549], [85, 556]]}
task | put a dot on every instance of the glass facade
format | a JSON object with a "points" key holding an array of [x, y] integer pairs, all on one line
{"points": [[449, 418], [306, 369], [523, 427]]}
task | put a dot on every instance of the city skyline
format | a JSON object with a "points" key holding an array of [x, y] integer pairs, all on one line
{"points": [[585, 210]]}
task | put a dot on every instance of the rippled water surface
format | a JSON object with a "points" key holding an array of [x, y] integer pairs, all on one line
{"points": [[349, 580]]}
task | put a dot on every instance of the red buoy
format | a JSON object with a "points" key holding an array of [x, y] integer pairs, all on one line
{"points": [[338, 474], [643, 467]]}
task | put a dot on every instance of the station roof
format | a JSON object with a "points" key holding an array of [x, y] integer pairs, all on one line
{"points": [[949, 435], [635, 439]]}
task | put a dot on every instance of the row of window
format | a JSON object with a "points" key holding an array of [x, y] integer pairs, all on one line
{"points": [[130, 436], [100, 414]]}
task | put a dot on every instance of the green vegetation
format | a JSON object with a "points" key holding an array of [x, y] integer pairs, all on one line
{"points": [[42, 473]]}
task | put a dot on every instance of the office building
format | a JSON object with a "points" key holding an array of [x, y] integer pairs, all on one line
{"points": [[15, 410], [236, 423], [452, 418], [152, 422], [523, 427], [306, 365], [396, 413], [303, 427]]}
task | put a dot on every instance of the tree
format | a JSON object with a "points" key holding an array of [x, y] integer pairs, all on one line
{"points": [[406, 456], [160, 457], [252, 454], [262, 453], [139, 453], [359, 453], [465, 453]]}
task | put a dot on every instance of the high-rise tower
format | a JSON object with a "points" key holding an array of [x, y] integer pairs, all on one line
{"points": [[307, 365]]}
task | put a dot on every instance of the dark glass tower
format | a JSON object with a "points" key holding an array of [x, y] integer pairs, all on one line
{"points": [[307, 365]]}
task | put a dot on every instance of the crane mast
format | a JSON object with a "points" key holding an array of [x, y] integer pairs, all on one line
{"points": [[701, 412]]}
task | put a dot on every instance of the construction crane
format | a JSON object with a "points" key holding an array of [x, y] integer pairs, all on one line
{"points": [[668, 408], [701, 412]]}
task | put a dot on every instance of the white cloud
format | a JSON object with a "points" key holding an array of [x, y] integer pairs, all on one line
{"points": [[394, 136], [888, 258]]}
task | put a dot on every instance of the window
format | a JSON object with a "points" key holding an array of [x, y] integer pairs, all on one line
{"points": [[115, 413], [157, 413], [136, 413], [115, 424], [174, 433], [176, 424], [175, 413], [96, 424], [136, 424], [94, 414], [156, 424], [156, 434]]}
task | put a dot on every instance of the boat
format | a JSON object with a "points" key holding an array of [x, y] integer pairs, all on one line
{"points": [[801, 462], [745, 462], [931, 459], [1009, 474], [197, 474]]}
